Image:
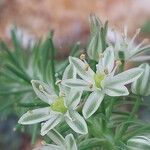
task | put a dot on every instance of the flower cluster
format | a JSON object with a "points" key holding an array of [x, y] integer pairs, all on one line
{"points": [[84, 87]]}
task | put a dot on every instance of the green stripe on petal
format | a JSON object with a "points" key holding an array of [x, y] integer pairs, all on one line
{"points": [[85, 74], [44, 91], [73, 98], [78, 84], [92, 103], [70, 72], [35, 116], [56, 137], [51, 123], [107, 61], [71, 143], [116, 90], [139, 143], [125, 77], [76, 122], [141, 85]]}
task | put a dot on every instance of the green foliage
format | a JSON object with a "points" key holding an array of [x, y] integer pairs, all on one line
{"points": [[113, 127]]}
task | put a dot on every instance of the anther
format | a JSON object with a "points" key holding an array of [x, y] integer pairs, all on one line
{"points": [[43, 142], [41, 88], [138, 30], [63, 94], [106, 71], [82, 56], [87, 67], [90, 86], [118, 63], [145, 41], [58, 82], [30, 111], [101, 55]]}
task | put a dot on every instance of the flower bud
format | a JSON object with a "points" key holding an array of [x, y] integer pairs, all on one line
{"points": [[142, 85], [95, 45]]}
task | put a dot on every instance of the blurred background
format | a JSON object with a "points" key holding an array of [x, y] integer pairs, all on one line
{"points": [[69, 21]]}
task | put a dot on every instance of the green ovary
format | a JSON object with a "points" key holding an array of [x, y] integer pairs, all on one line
{"points": [[99, 77], [58, 105]]}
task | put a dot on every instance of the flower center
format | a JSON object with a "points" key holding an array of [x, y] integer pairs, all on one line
{"points": [[58, 105], [99, 77]]}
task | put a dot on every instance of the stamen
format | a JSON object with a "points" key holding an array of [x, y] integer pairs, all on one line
{"points": [[118, 63], [145, 41], [134, 36], [90, 86], [86, 67], [63, 94], [106, 71], [41, 88], [58, 82], [30, 111], [43, 142], [138, 31], [101, 55], [82, 56]]}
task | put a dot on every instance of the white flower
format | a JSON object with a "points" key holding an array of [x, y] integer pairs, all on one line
{"points": [[102, 82], [67, 143], [61, 107], [142, 85], [126, 48]]}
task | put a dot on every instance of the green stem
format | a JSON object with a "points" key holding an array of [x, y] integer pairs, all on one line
{"points": [[132, 115], [122, 66], [34, 134], [122, 59]]}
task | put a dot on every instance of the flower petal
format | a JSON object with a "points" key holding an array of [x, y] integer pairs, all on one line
{"points": [[140, 58], [139, 143], [69, 73], [107, 62], [141, 85], [116, 90], [35, 116], [51, 123], [73, 98], [125, 77], [56, 137], [71, 143], [78, 84], [92, 103], [49, 147], [85, 74], [46, 93], [76, 122]]}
